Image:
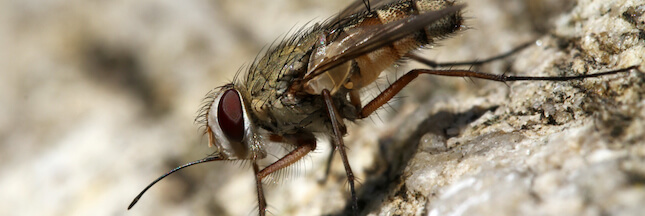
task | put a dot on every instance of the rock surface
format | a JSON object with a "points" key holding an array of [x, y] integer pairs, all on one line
{"points": [[98, 99]]}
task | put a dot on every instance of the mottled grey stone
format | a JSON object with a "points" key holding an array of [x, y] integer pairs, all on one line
{"points": [[98, 99]]}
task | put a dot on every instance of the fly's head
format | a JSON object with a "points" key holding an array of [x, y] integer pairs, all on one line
{"points": [[229, 126]]}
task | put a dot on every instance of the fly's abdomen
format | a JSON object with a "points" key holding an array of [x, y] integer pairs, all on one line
{"points": [[372, 64], [437, 30]]}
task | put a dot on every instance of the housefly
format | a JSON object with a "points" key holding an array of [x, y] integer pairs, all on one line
{"points": [[310, 83]]}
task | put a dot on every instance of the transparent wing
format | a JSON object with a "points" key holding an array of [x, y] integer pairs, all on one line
{"points": [[359, 7], [365, 39]]}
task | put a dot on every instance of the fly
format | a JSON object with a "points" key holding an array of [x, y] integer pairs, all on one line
{"points": [[310, 83]]}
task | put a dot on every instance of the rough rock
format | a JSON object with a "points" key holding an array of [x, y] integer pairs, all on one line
{"points": [[98, 100]]}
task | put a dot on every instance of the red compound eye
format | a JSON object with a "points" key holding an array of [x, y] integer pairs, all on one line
{"points": [[229, 116]]}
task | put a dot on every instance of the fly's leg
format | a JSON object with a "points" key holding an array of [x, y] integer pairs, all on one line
{"points": [[367, 5], [305, 143], [328, 168], [396, 87], [332, 112], [355, 99], [262, 203], [434, 64]]}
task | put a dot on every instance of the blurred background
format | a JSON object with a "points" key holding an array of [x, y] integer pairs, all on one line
{"points": [[98, 99]]}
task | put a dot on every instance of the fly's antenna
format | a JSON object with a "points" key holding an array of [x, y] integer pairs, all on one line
{"points": [[207, 159]]}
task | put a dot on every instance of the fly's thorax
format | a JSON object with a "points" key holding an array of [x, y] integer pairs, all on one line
{"points": [[271, 76], [290, 114], [273, 102], [230, 127]]}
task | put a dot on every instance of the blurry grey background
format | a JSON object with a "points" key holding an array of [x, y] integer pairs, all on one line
{"points": [[98, 99]]}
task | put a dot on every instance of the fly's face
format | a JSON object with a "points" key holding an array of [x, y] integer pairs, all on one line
{"points": [[229, 126]]}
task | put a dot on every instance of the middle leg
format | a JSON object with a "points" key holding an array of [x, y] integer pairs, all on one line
{"points": [[333, 115]]}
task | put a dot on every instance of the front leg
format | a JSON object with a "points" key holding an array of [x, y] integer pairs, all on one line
{"points": [[304, 143], [262, 203]]}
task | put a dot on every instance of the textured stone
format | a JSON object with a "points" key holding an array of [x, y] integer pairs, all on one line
{"points": [[98, 99]]}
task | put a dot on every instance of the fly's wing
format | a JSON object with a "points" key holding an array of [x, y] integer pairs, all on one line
{"points": [[363, 40], [359, 7]]}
